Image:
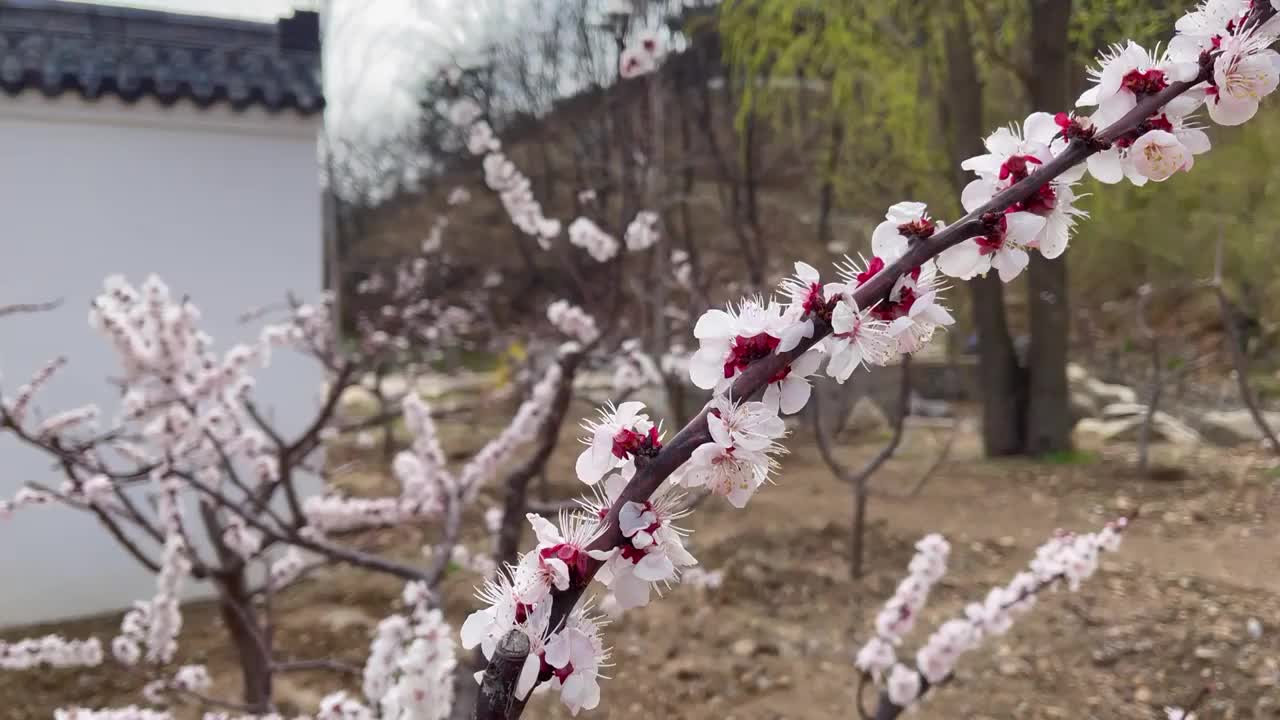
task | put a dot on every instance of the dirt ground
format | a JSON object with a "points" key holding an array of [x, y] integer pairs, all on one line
{"points": [[1179, 606]]}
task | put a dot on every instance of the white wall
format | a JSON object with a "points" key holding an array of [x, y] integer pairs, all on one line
{"points": [[223, 205]]}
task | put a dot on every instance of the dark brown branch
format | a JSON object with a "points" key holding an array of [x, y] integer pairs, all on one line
{"points": [[1238, 359], [497, 699], [651, 473], [24, 308]]}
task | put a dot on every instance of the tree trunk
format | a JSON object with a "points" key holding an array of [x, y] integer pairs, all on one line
{"points": [[827, 199], [999, 376], [249, 638], [1048, 422]]}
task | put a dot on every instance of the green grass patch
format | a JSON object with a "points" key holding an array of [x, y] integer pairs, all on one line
{"points": [[1069, 457]]}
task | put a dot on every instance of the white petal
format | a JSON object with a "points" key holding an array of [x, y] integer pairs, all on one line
{"points": [[545, 531], [772, 396], [843, 362], [935, 313], [1010, 262], [1195, 140], [655, 567], [633, 517], [1184, 104], [1056, 235], [1106, 166], [976, 194], [1088, 97], [807, 364], [706, 369], [1115, 107], [960, 261], [613, 486], [594, 462], [528, 675], [905, 212], [740, 495], [793, 334], [887, 242], [986, 165], [714, 324], [476, 627], [559, 572], [719, 430], [901, 325], [795, 394], [556, 651], [573, 692], [806, 272], [1040, 127], [627, 411], [630, 591], [1230, 112], [1022, 227]]}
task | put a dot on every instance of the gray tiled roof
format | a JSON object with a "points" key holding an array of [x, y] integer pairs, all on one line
{"points": [[55, 47]]}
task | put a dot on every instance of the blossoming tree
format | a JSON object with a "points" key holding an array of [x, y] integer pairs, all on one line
{"points": [[536, 628], [188, 427]]}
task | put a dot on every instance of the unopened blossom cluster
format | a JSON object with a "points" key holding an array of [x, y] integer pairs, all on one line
{"points": [[642, 232], [877, 657], [155, 625], [1067, 558], [502, 176], [573, 322], [633, 369], [586, 234], [52, 651], [15, 408], [409, 672], [131, 712], [426, 484], [409, 313]]}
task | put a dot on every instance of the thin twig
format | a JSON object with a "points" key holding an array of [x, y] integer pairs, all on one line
{"points": [[1238, 359], [24, 308]]}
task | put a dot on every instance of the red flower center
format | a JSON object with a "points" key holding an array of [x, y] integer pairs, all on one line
{"points": [[633, 553], [890, 311], [873, 267], [813, 302], [628, 442], [747, 350], [1042, 202], [917, 229], [1016, 167], [1160, 122], [994, 240], [522, 612], [572, 556], [1145, 83], [547, 670]]}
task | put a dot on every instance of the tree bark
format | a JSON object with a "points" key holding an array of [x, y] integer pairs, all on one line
{"points": [[999, 376], [1048, 416], [249, 639], [826, 200]]}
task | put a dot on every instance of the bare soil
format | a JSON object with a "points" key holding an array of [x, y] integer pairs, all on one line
{"points": [[1168, 613]]}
